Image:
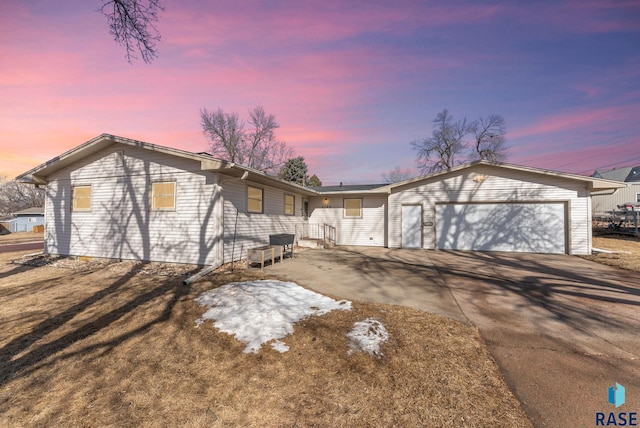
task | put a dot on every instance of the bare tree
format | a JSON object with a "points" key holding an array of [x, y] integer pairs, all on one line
{"points": [[445, 147], [254, 145], [397, 174], [15, 196], [489, 138], [225, 132], [132, 25]]}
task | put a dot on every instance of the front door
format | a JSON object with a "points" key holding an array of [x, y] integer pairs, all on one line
{"points": [[412, 226]]}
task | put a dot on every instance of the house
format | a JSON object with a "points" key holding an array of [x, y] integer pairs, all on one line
{"points": [[479, 206], [24, 220], [604, 202], [119, 198]]}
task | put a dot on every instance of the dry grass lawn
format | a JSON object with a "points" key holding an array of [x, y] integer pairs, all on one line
{"points": [[107, 345], [626, 255]]}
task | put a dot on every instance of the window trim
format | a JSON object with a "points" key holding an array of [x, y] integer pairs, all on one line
{"points": [[293, 204], [344, 206], [637, 197], [250, 211], [152, 195], [73, 198]]}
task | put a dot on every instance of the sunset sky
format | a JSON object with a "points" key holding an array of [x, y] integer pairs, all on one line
{"points": [[351, 83]]}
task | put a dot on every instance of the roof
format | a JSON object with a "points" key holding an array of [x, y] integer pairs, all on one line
{"points": [[40, 174], [617, 174], [30, 211], [634, 175], [348, 188], [592, 183]]}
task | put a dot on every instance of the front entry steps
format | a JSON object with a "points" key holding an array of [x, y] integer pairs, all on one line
{"points": [[310, 243]]}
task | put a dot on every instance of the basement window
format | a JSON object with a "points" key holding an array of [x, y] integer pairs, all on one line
{"points": [[163, 196], [353, 208], [81, 198]]}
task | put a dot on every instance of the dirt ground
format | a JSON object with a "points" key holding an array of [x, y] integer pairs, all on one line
{"points": [[625, 251], [115, 344], [18, 238]]}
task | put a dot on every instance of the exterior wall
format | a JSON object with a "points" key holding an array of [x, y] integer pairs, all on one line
{"points": [[498, 185], [121, 223], [369, 230], [606, 202], [242, 230]]}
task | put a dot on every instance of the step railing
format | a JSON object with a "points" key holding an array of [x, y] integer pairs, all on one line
{"points": [[320, 231]]}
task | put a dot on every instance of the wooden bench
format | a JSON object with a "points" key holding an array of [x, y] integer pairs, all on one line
{"points": [[262, 255]]}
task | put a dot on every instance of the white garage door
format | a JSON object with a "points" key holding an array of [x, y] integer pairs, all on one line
{"points": [[521, 227]]}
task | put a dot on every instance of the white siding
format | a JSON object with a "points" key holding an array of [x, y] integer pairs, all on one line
{"points": [[368, 230], [121, 224], [492, 184], [603, 202], [244, 230]]}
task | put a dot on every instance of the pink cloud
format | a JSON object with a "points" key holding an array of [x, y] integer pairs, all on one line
{"points": [[605, 118], [296, 23]]}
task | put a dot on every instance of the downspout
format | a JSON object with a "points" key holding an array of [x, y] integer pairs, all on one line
{"points": [[200, 274]]}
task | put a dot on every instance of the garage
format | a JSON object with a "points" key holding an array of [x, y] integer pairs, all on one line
{"points": [[532, 227]]}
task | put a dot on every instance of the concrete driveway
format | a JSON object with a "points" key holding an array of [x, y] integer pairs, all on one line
{"points": [[562, 329]]}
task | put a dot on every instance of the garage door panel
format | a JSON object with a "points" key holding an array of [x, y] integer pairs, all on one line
{"points": [[520, 227]]}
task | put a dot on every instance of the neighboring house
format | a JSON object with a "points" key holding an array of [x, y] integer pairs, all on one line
{"points": [[24, 221], [125, 199], [609, 200]]}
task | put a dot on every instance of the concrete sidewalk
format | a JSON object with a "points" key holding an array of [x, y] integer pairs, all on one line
{"points": [[400, 277], [561, 328]]}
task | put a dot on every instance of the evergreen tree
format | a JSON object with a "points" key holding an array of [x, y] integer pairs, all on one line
{"points": [[295, 170], [314, 181]]}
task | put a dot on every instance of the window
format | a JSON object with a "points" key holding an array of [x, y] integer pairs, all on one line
{"points": [[81, 198], [638, 198], [289, 205], [31, 220], [119, 159], [254, 199], [353, 208], [163, 196]]}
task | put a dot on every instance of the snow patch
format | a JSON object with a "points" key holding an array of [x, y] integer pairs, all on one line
{"points": [[367, 336], [256, 312], [280, 346]]}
